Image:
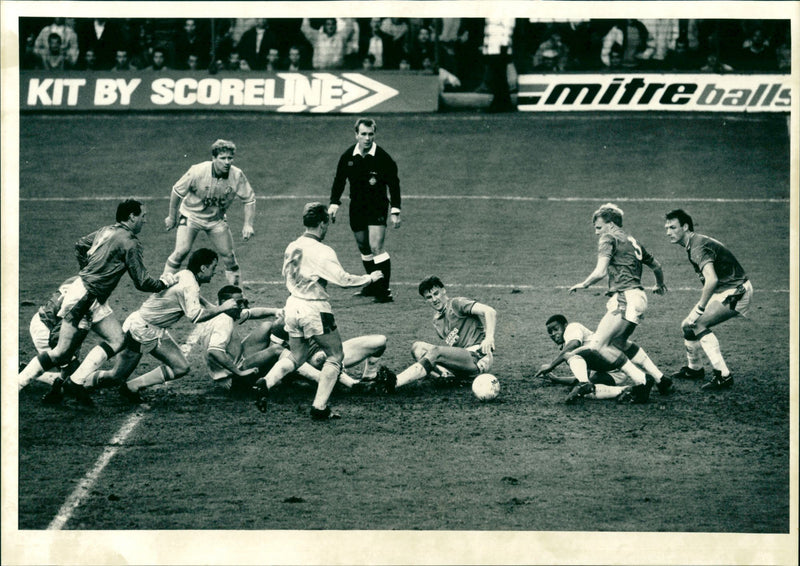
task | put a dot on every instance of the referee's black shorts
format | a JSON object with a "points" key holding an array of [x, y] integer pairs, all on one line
{"points": [[368, 213]]}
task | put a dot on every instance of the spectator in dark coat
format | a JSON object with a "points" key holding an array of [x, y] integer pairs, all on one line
{"points": [[256, 43]]}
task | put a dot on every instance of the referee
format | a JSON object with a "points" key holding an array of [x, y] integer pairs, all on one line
{"points": [[371, 171]]}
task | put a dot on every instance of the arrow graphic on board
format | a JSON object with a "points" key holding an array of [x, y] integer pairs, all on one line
{"points": [[382, 93], [350, 93]]}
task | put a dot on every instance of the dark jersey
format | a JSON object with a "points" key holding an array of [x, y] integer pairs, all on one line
{"points": [[626, 257], [370, 176], [703, 250], [105, 256]]}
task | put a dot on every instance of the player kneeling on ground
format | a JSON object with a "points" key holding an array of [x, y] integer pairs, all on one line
{"points": [[466, 326], [613, 376]]}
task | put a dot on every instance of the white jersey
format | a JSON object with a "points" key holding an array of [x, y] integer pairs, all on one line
{"points": [[220, 333], [308, 266], [577, 331], [207, 196], [165, 308]]}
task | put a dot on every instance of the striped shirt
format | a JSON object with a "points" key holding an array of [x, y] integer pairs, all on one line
{"points": [[308, 265], [206, 196], [105, 256], [165, 308]]}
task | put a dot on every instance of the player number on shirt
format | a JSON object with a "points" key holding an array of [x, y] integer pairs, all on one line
{"points": [[637, 249], [292, 266]]}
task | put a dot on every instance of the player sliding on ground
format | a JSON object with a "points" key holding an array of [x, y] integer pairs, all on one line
{"points": [[613, 374]]}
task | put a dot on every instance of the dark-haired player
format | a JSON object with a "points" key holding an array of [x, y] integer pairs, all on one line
{"points": [[227, 358], [308, 267], [611, 377], [371, 172], [146, 329], [727, 293], [104, 257], [467, 328]]}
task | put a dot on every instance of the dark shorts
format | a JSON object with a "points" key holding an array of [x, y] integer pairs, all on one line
{"points": [[369, 213]]}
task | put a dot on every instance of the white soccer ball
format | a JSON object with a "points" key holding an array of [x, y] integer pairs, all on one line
{"points": [[486, 387]]}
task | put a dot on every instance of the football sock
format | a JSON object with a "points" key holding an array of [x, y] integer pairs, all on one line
{"points": [[232, 276], [384, 264], [634, 373], [442, 371], [346, 380], [309, 372], [710, 346], [642, 360], [155, 376], [605, 391], [694, 354], [579, 368], [414, 372], [48, 377], [283, 367], [369, 262], [92, 362], [31, 372], [329, 374]]}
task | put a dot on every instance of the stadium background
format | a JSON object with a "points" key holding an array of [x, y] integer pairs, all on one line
{"points": [[499, 207]]}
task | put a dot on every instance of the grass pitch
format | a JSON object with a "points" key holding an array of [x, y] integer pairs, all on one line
{"points": [[499, 207]]}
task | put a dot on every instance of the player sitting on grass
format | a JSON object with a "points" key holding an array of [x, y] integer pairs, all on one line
{"points": [[466, 326], [612, 371]]}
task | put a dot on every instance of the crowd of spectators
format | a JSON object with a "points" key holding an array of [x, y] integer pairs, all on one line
{"points": [[451, 47]]}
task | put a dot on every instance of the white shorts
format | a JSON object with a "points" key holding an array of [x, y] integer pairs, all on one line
{"points": [[202, 225], [73, 294], [147, 335], [737, 299], [631, 304], [40, 334], [306, 319]]}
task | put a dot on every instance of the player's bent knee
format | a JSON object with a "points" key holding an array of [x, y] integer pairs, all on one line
{"points": [[688, 333]]}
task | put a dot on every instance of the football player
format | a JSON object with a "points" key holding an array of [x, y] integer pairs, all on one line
{"points": [[621, 257], [146, 329], [727, 293], [467, 328], [308, 267], [104, 257], [612, 377], [198, 203]]}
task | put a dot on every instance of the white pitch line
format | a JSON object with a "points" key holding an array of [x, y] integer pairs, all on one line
{"points": [[444, 197], [87, 483], [511, 286]]}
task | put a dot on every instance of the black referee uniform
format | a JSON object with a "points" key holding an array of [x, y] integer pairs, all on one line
{"points": [[371, 176]]}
